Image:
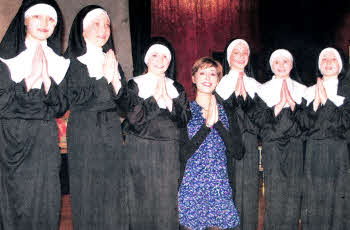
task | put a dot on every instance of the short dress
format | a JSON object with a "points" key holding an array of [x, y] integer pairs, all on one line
{"points": [[205, 195]]}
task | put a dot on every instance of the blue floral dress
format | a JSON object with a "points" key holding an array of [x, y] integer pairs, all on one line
{"points": [[205, 195]]}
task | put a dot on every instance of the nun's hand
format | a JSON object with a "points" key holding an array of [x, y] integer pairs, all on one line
{"points": [[289, 98], [45, 74], [109, 66], [283, 99], [168, 101], [37, 67], [322, 91], [239, 84], [158, 91], [243, 90]]}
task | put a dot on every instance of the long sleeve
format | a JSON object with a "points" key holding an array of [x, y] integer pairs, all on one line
{"points": [[17, 103]]}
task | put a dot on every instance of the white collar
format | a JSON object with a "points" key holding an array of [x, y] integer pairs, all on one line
{"points": [[331, 87], [227, 85], [94, 60], [147, 84], [21, 66], [270, 92]]}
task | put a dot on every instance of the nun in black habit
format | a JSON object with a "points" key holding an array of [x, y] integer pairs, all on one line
{"points": [[30, 99], [158, 111], [237, 93], [95, 88], [327, 161], [277, 109]]}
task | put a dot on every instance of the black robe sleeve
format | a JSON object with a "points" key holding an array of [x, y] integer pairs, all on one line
{"points": [[17, 103]]}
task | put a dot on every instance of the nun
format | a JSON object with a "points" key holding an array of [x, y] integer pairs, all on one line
{"points": [[31, 70], [327, 157], [237, 91], [95, 88], [277, 109], [158, 112]]}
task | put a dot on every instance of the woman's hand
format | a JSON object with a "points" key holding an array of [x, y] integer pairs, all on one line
{"points": [[289, 98], [283, 99], [37, 67], [243, 90], [44, 74], [213, 112], [322, 91], [109, 66], [168, 101], [238, 88]]}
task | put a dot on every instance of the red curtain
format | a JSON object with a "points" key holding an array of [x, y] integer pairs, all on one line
{"points": [[196, 28]]}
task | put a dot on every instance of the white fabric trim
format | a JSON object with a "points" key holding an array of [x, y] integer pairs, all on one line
{"points": [[21, 66], [331, 87], [270, 92], [147, 84], [232, 45], [337, 56], [227, 85], [280, 52], [157, 48], [89, 17], [41, 9]]}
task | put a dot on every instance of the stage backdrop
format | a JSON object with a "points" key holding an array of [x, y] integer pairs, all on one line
{"points": [[198, 28]]}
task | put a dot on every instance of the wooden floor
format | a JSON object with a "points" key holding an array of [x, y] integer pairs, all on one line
{"points": [[66, 213]]}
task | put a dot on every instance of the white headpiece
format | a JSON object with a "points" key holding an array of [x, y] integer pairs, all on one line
{"points": [[41, 9], [280, 52], [232, 45], [337, 56], [92, 15], [159, 48]]}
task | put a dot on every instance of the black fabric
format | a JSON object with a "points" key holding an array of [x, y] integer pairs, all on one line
{"points": [[76, 43], [232, 139], [226, 66], [29, 154], [171, 71], [245, 176], [326, 200], [140, 31], [13, 41], [97, 164], [145, 119], [282, 142], [152, 144]]}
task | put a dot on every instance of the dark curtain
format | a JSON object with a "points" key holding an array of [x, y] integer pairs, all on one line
{"points": [[198, 28], [140, 29]]}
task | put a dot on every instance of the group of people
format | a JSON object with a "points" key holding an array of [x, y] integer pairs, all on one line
{"points": [[171, 163]]}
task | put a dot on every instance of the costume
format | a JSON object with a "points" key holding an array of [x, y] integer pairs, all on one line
{"points": [[326, 195], [29, 157], [152, 144], [246, 171], [96, 159], [282, 142], [205, 195]]}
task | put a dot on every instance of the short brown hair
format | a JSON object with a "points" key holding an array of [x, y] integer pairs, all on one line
{"points": [[206, 62]]}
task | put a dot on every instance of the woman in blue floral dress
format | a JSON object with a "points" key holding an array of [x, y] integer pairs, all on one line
{"points": [[212, 141]]}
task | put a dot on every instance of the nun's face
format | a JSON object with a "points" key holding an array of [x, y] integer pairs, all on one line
{"points": [[239, 57], [158, 63], [98, 31], [206, 80], [329, 65], [281, 67], [39, 27]]}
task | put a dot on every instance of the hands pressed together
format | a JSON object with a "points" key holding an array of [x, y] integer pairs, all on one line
{"points": [[240, 88], [111, 72], [320, 94], [285, 98], [211, 115], [161, 93], [39, 71]]}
